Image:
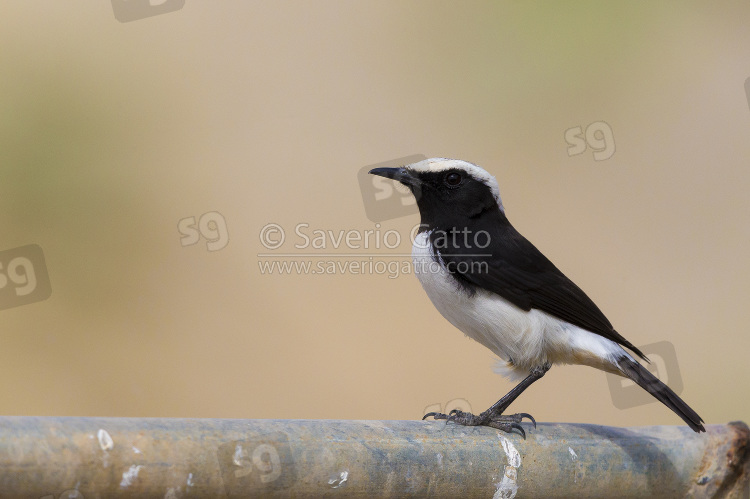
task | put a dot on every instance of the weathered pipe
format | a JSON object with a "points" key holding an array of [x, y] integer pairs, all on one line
{"points": [[122, 457]]}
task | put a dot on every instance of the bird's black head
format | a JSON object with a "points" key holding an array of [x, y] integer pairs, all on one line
{"points": [[448, 191]]}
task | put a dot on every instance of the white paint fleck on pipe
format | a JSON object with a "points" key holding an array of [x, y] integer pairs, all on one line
{"points": [[105, 441], [573, 454], [129, 476], [340, 480], [238, 455], [508, 486]]}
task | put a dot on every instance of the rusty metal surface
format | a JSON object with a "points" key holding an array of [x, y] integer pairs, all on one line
{"points": [[172, 458]]}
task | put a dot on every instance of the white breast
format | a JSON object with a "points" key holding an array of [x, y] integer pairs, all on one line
{"points": [[521, 339]]}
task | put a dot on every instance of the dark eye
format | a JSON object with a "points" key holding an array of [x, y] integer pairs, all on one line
{"points": [[453, 179]]}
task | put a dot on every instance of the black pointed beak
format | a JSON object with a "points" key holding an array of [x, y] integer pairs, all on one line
{"points": [[400, 174]]}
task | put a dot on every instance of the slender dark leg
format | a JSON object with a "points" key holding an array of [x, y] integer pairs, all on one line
{"points": [[493, 417]]}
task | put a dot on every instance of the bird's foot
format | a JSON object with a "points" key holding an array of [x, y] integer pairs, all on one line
{"points": [[506, 423]]}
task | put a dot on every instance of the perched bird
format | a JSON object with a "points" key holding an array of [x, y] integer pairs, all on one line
{"points": [[500, 290]]}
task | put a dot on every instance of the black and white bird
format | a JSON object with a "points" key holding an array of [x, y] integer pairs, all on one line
{"points": [[500, 290]]}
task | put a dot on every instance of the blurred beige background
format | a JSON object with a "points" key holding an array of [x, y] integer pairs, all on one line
{"points": [[111, 133]]}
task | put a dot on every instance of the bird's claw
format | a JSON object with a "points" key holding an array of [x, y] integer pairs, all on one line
{"points": [[453, 415], [500, 422], [519, 428], [529, 416]]}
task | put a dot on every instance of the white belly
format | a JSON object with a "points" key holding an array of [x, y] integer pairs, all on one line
{"points": [[521, 339]]}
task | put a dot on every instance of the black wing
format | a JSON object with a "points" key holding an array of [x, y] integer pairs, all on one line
{"points": [[515, 269]]}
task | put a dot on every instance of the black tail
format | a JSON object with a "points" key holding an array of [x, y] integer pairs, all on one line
{"points": [[662, 392]]}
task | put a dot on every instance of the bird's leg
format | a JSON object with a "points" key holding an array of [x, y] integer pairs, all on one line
{"points": [[493, 417]]}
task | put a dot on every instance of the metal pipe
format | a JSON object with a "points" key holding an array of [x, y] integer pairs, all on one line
{"points": [[129, 457]]}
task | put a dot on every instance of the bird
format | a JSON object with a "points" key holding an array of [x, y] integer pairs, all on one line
{"points": [[496, 287]]}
